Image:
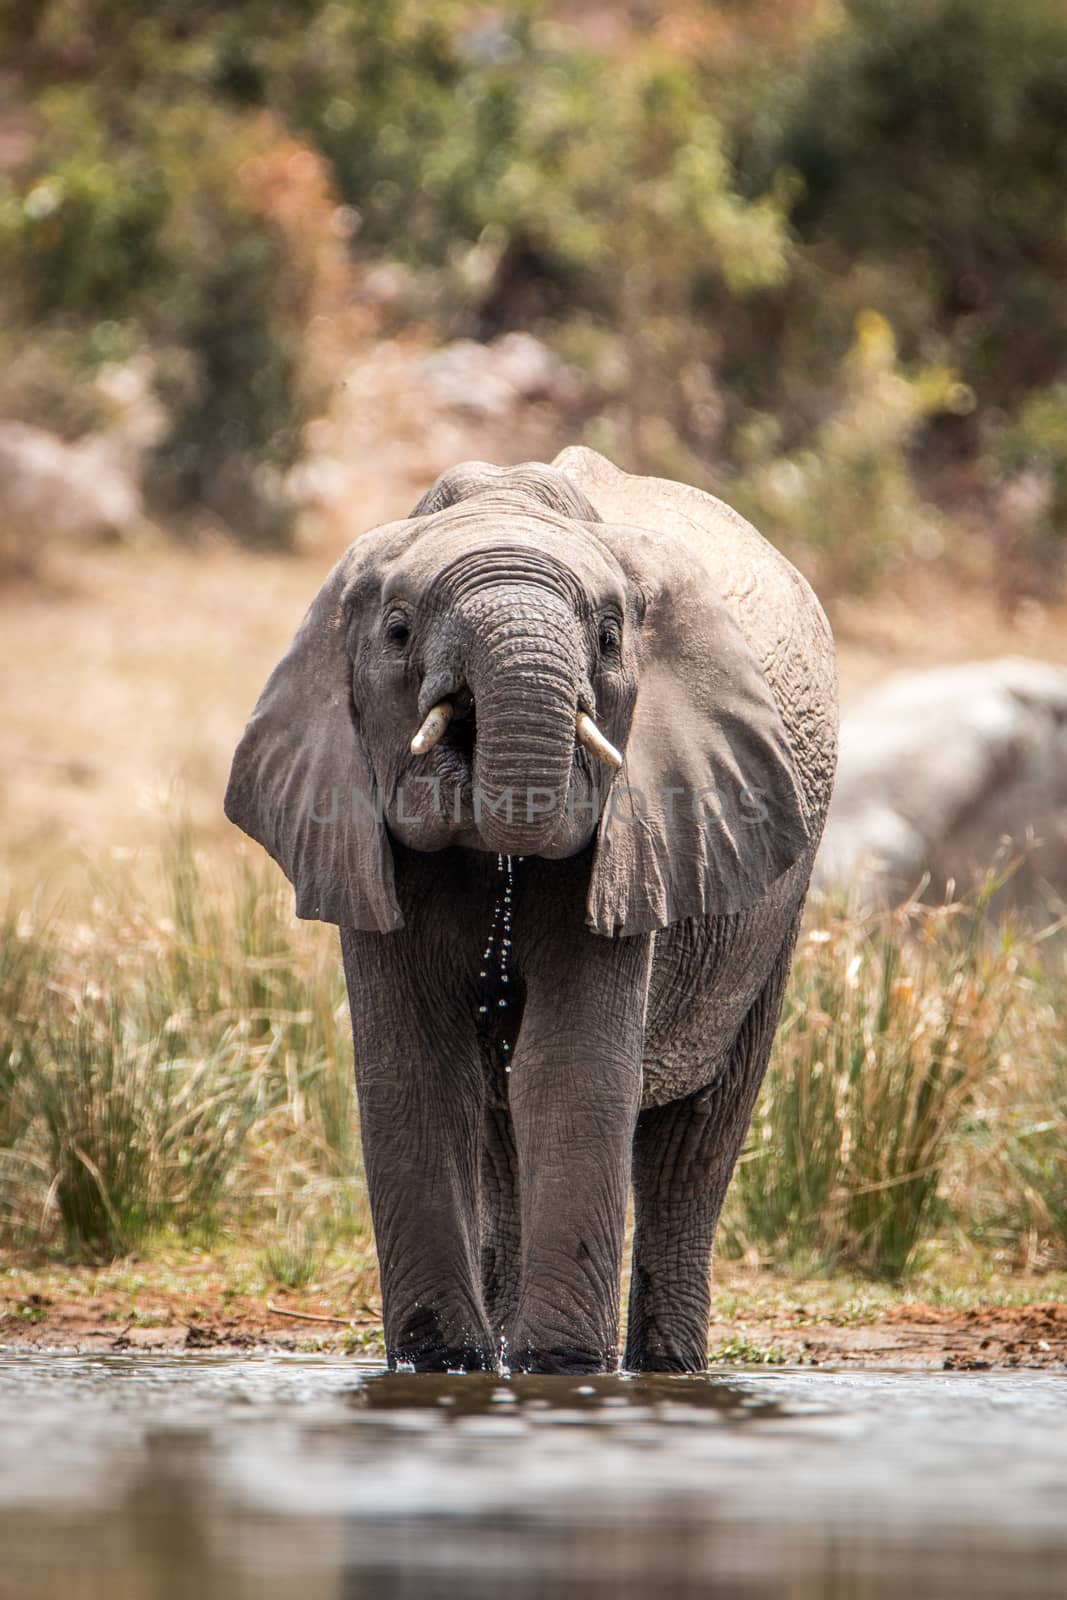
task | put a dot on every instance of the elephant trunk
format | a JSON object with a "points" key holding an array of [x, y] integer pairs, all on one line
{"points": [[523, 673]]}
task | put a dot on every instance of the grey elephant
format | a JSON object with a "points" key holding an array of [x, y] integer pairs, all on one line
{"points": [[555, 754]]}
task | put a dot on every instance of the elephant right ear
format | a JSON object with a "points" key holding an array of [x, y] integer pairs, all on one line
{"points": [[301, 784]]}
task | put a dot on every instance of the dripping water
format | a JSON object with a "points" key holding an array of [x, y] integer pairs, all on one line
{"points": [[496, 1008]]}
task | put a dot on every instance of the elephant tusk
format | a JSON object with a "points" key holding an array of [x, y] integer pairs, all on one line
{"points": [[590, 735], [433, 726]]}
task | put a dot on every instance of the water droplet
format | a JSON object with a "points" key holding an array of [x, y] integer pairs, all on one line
{"points": [[501, 1004], [482, 1010]]}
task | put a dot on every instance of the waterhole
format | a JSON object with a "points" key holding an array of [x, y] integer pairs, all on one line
{"points": [[138, 1475]]}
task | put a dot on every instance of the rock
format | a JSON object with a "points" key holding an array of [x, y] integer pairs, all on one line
{"points": [[53, 491], [138, 420], [943, 772], [491, 380]]}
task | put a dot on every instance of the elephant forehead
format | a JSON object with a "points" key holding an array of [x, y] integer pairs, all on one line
{"points": [[510, 545]]}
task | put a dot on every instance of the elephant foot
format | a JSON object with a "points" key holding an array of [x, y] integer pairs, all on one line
{"points": [[651, 1350], [424, 1345], [662, 1361]]}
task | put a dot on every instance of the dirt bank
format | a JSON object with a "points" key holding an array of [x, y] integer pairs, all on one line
{"points": [[757, 1319]]}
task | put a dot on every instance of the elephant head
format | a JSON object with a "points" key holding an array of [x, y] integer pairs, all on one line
{"points": [[470, 676]]}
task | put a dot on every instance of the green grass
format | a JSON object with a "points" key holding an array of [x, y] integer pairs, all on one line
{"points": [[739, 1352], [181, 1064], [914, 1099], [172, 1070], [295, 1259]]}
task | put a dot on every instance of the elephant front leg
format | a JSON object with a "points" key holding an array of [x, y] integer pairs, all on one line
{"points": [[575, 1092], [501, 1239], [421, 1104]]}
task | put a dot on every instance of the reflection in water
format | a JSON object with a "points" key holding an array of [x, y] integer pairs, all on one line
{"points": [[483, 1394], [223, 1477]]}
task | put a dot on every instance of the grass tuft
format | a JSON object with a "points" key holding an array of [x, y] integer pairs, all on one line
{"points": [[168, 1069], [294, 1260], [909, 1042]]}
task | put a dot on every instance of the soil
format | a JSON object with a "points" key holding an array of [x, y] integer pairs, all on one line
{"points": [[920, 1335], [909, 1334]]}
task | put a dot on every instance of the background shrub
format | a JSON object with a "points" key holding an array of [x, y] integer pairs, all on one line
{"points": [[700, 213]]}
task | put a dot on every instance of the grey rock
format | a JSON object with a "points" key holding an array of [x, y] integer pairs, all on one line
{"points": [[493, 380], [50, 490], [942, 773]]}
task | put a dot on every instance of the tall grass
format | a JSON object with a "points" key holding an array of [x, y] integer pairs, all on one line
{"points": [[167, 1070], [182, 1059], [912, 1092]]}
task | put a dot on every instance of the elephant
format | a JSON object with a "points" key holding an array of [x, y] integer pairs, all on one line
{"points": [[554, 752]]}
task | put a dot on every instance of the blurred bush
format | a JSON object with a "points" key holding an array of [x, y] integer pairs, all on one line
{"points": [[151, 214], [926, 142], [847, 495], [706, 212]]}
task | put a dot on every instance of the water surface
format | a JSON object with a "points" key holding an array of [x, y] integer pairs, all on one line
{"points": [[209, 1475]]}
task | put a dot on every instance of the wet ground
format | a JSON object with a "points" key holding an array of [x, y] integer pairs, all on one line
{"points": [[138, 1475], [202, 1301]]}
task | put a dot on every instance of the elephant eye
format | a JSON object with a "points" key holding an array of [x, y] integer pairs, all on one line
{"points": [[397, 631], [609, 636]]}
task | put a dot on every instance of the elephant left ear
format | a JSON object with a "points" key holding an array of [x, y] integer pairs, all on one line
{"points": [[707, 812]]}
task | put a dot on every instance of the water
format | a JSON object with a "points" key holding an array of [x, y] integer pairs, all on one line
{"points": [[218, 1476]]}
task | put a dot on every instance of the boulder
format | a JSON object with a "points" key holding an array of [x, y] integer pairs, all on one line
{"points": [[52, 491], [944, 772], [492, 380]]}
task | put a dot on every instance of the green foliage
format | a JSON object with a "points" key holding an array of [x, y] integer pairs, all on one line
{"points": [[925, 143], [199, 228], [700, 220], [847, 497], [1031, 453], [743, 1353], [295, 1260], [932, 136], [682, 245]]}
